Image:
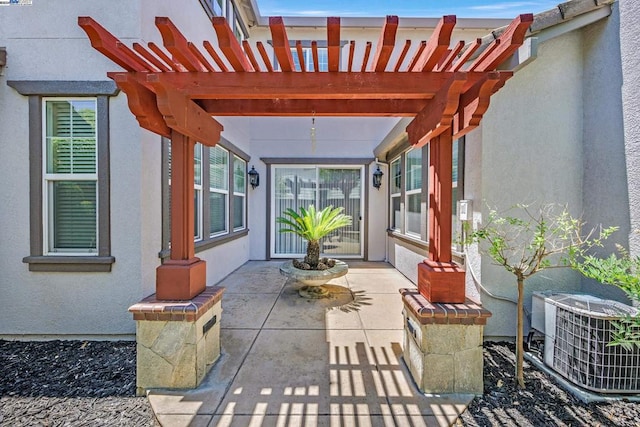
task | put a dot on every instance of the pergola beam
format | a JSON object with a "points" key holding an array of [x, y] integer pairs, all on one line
{"points": [[321, 107], [355, 85]]}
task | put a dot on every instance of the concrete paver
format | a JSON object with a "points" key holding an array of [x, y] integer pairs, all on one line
{"points": [[288, 361]]}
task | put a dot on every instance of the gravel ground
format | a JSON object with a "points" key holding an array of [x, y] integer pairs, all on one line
{"points": [[71, 383], [541, 403], [76, 383]]}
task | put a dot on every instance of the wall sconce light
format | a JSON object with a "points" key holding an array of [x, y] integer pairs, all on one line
{"points": [[377, 178], [254, 177]]}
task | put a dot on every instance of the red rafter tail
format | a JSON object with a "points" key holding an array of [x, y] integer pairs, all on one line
{"points": [[448, 60], [333, 43], [386, 43], [365, 60], [416, 55], [403, 54], [142, 51], [229, 45], [136, 58], [300, 56], [510, 40], [216, 58], [437, 45], [177, 45], [265, 56], [314, 53], [280, 42], [465, 55], [485, 54], [175, 66], [196, 52], [107, 44], [252, 58], [352, 50]]}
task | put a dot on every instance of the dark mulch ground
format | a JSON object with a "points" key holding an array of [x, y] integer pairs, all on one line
{"points": [[541, 403], [71, 383], [75, 383]]}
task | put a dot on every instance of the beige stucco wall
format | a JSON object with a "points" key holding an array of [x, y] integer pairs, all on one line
{"points": [[531, 152], [86, 304], [629, 42]]}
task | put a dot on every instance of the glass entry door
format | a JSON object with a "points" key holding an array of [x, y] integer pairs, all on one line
{"points": [[322, 186]]}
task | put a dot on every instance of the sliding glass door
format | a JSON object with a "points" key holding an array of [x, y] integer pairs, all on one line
{"points": [[296, 186]]}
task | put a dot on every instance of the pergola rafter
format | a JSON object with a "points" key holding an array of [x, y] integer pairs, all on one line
{"points": [[177, 94]]}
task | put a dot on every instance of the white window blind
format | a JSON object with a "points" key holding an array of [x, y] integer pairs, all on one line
{"points": [[197, 192], [307, 55], [70, 175], [396, 193], [239, 193], [218, 190], [413, 188]]}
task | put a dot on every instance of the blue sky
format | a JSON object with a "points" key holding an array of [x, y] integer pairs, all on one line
{"points": [[420, 8]]}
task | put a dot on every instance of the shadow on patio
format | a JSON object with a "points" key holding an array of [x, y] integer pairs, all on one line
{"points": [[289, 361]]}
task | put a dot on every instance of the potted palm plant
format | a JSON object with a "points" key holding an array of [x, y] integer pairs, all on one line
{"points": [[312, 225]]}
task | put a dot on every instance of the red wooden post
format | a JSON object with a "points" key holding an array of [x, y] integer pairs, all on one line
{"points": [[440, 181], [439, 279], [183, 276]]}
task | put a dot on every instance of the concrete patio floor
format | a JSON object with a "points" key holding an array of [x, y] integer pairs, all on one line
{"points": [[289, 361]]}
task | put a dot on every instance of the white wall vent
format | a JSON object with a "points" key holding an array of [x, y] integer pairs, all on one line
{"points": [[577, 330]]}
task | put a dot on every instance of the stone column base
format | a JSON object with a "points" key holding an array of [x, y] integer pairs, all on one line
{"points": [[177, 341], [443, 344]]}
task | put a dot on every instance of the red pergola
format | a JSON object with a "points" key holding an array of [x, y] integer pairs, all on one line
{"points": [[176, 91]]}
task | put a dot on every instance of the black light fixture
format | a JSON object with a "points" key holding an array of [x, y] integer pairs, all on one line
{"points": [[377, 178], [254, 177]]}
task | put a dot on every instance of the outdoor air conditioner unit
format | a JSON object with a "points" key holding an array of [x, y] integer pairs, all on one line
{"points": [[577, 329]]}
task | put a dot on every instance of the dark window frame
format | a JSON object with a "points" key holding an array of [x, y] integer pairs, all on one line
{"points": [[207, 242], [36, 90], [401, 233]]}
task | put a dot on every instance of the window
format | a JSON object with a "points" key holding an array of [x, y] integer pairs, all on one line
{"points": [[307, 56], [69, 174], [409, 191], [228, 10], [214, 7], [301, 184], [396, 194], [239, 193], [457, 191], [220, 195], [218, 191], [70, 177], [413, 191]]}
